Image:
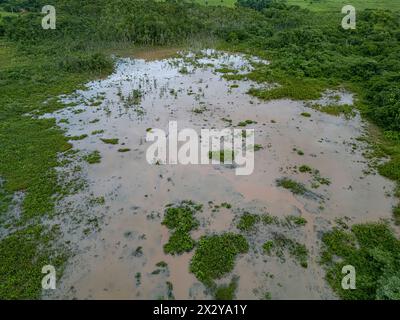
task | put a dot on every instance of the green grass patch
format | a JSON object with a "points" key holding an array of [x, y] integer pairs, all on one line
{"points": [[267, 246], [294, 186], [95, 132], [223, 156], [299, 221], [110, 141], [337, 5], [215, 256], [77, 138], [248, 222], [93, 157], [336, 110]]}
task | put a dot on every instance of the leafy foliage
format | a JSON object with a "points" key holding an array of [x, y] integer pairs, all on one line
{"points": [[374, 252], [181, 220], [215, 256]]}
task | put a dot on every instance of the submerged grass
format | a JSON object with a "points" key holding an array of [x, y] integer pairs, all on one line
{"points": [[294, 186], [248, 221]]}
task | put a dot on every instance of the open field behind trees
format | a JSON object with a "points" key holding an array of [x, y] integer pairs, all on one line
{"points": [[228, 3], [336, 5], [321, 5], [309, 53]]}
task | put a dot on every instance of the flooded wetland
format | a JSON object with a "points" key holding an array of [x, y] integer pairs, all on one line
{"points": [[310, 174]]}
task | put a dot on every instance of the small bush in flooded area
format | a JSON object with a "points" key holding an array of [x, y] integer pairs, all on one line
{"points": [[305, 168], [227, 292], [300, 221], [321, 180], [248, 221], [294, 186], [181, 221], [162, 264], [374, 251], [306, 114], [258, 147], [180, 218], [110, 141], [215, 256], [226, 205], [298, 151], [245, 123], [267, 246], [93, 157], [199, 110], [123, 150], [138, 277]]}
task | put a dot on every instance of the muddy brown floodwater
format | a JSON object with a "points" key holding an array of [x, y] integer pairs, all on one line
{"points": [[114, 224]]}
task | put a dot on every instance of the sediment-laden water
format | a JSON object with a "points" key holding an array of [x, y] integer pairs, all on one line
{"points": [[114, 223]]}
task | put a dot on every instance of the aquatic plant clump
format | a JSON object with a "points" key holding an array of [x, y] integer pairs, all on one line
{"points": [[215, 256], [294, 186], [181, 221], [248, 221]]}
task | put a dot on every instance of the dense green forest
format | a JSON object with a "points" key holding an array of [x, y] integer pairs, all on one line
{"points": [[309, 51]]}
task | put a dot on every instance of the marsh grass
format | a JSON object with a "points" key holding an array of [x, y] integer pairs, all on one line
{"points": [[93, 157], [110, 141], [294, 186], [248, 221], [336, 110]]}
